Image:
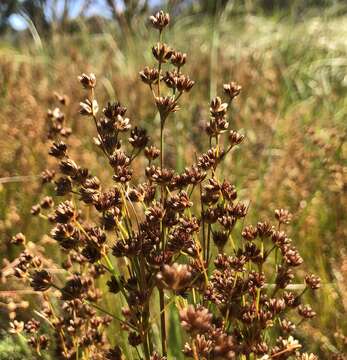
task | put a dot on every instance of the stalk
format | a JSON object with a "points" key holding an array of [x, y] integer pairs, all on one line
{"points": [[161, 291]]}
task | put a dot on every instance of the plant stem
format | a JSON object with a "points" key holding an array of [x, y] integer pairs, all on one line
{"points": [[162, 197], [161, 144], [162, 322], [208, 243]]}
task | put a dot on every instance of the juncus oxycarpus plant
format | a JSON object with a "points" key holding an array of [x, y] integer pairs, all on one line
{"points": [[162, 239]]}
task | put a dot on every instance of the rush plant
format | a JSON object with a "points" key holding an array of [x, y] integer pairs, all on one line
{"points": [[159, 240]]}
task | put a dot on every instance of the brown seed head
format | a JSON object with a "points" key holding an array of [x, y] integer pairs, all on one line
{"points": [[224, 347], [32, 326], [306, 311], [47, 176], [64, 212], [264, 229], [235, 138], [58, 149], [138, 138], [217, 107], [88, 108], [112, 110], [16, 327], [170, 79], [196, 320], [249, 233], [178, 59], [292, 257], [18, 239], [68, 167], [160, 20], [287, 326], [162, 52], [232, 89], [149, 75], [184, 83], [63, 186], [41, 280], [175, 277], [122, 123], [220, 239], [87, 81], [166, 105], [47, 202], [313, 281], [74, 288], [152, 152], [283, 216], [114, 354]]}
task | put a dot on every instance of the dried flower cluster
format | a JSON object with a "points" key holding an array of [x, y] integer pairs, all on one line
{"points": [[179, 235]]}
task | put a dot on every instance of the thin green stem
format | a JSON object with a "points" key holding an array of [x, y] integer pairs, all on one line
{"points": [[162, 322]]}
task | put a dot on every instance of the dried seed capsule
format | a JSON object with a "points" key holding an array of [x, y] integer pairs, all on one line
{"points": [[166, 105], [306, 311], [283, 216], [113, 285], [249, 233], [32, 326], [196, 320], [220, 238], [178, 59], [114, 354], [312, 281], [232, 89], [292, 257], [63, 186], [162, 52], [160, 20], [18, 239], [88, 107], [58, 149], [174, 277], [149, 75], [74, 288], [112, 110], [47, 176], [138, 138], [235, 138], [87, 81], [152, 152], [217, 107], [16, 327], [184, 83], [41, 280]]}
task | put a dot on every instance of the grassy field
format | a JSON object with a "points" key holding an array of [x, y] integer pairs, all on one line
{"points": [[292, 109]]}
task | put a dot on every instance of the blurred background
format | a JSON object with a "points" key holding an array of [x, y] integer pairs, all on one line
{"points": [[290, 57]]}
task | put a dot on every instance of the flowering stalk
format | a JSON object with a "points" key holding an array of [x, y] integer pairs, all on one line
{"points": [[144, 234]]}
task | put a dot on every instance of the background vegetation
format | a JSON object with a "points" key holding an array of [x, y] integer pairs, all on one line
{"points": [[291, 61]]}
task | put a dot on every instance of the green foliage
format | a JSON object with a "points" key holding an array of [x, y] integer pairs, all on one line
{"points": [[13, 347]]}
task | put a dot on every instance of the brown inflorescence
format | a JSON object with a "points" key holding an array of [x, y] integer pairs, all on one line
{"points": [[183, 236]]}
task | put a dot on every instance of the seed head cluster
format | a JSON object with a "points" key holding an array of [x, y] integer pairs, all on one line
{"points": [[162, 239]]}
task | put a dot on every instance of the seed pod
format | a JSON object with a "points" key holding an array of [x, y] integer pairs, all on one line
{"points": [[41, 280], [87, 81], [160, 20], [232, 89]]}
